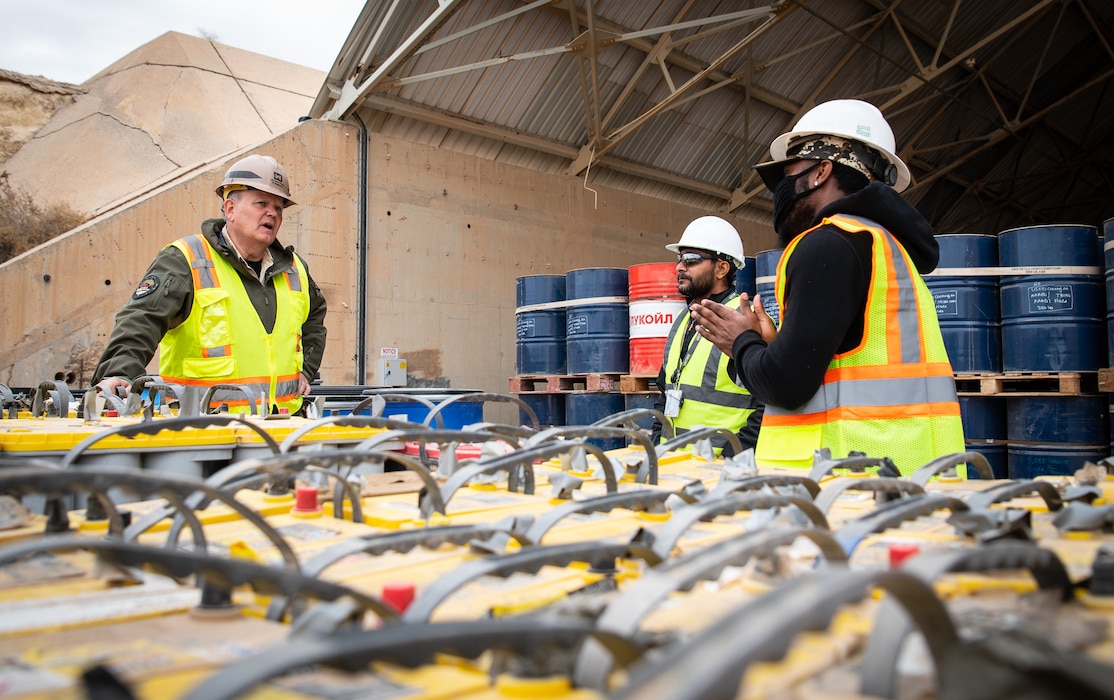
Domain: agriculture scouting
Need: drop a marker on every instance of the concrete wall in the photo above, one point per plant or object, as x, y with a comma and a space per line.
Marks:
450, 233
60, 298
448, 236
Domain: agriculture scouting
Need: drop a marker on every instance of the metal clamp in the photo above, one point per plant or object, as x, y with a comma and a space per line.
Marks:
443, 438
647, 471
948, 463
483, 398
350, 421
892, 626
628, 419
401, 541
167, 424
257, 401
691, 436
59, 395
408, 645
762, 481
823, 464
1000, 493
892, 514
643, 500
772, 622
222, 573
599, 554
522, 459
624, 615
667, 537
889, 486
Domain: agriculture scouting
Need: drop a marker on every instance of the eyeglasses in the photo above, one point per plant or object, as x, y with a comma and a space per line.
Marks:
689, 259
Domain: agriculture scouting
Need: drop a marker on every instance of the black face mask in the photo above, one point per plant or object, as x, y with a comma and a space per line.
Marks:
785, 197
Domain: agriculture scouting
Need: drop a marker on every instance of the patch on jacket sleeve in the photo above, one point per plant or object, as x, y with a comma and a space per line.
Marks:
149, 284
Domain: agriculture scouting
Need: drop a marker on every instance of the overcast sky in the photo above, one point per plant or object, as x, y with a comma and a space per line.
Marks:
72, 40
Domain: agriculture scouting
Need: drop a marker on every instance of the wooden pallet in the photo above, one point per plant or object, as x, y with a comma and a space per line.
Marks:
1106, 379
563, 383
638, 384
1027, 384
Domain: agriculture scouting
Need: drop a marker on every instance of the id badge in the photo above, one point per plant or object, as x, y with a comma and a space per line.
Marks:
672, 403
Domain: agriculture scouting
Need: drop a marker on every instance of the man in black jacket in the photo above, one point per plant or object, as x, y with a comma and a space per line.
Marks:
857, 362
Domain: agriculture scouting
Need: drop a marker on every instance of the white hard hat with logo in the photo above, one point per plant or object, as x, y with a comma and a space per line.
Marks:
256, 172
857, 121
714, 234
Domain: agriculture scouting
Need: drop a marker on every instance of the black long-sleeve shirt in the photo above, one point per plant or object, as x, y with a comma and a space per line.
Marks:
826, 285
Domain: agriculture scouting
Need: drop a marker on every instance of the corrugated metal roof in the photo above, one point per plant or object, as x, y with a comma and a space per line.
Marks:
1000, 107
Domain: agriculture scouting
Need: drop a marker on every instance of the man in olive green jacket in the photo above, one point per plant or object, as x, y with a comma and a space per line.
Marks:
254, 193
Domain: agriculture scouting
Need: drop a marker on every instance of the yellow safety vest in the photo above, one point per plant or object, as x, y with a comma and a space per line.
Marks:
893, 395
710, 397
224, 342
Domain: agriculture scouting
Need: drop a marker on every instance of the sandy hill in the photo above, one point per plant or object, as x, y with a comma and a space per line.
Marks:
173, 103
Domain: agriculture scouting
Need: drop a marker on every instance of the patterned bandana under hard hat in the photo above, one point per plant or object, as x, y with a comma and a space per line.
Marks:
833, 148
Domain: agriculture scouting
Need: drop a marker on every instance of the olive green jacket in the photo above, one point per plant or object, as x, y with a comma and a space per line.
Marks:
164, 298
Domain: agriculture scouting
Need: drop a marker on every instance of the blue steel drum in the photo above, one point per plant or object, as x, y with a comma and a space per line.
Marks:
984, 431
1054, 321
1056, 434
585, 408
540, 334
1031, 461
1108, 257
765, 271
633, 401
967, 304
597, 329
549, 408
997, 456
745, 276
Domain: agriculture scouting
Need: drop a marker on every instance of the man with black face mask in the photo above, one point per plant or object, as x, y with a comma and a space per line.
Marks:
858, 362
699, 384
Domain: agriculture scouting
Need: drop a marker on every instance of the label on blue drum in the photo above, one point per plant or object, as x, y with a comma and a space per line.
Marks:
947, 302
1046, 298
525, 328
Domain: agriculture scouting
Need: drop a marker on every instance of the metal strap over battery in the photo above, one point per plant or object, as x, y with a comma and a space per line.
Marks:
892, 626
624, 615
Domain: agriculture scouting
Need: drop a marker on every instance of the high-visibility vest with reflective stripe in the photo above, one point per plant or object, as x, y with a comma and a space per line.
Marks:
893, 395
710, 397
223, 341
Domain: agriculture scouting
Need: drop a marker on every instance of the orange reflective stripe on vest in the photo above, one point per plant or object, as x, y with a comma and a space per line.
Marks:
893, 395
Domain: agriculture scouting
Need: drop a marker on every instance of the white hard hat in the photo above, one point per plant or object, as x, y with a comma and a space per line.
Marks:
854, 120
714, 234
261, 173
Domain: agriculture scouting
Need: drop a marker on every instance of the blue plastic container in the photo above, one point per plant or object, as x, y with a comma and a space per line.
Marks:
549, 408
455, 416
1055, 321
765, 272
597, 329
997, 455
1056, 434
585, 408
967, 303
1108, 258
540, 334
745, 276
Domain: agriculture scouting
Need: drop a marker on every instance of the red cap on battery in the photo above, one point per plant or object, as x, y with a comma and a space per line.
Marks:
900, 551
399, 595
305, 499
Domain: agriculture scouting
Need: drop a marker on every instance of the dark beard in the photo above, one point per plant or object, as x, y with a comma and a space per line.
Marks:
798, 221
698, 288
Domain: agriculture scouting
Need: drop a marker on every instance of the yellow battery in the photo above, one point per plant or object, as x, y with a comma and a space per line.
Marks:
167, 653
